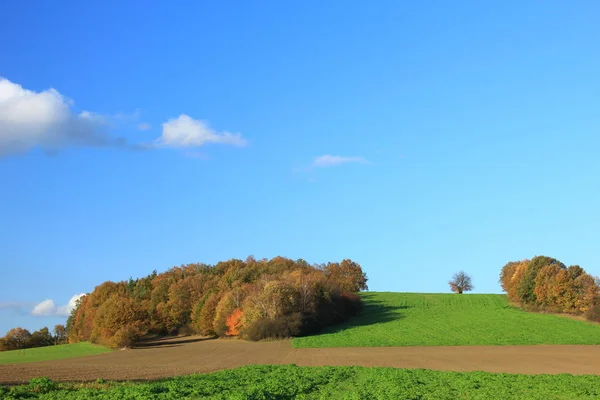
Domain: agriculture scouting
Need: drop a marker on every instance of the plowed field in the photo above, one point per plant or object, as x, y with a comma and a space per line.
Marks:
182, 356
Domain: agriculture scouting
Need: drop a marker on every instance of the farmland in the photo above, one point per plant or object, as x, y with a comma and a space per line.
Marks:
403, 346
51, 353
290, 382
415, 319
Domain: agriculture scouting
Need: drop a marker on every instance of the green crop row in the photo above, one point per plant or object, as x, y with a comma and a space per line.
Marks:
292, 382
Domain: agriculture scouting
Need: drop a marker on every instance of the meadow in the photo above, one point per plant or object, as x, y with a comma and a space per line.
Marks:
51, 353
292, 382
417, 319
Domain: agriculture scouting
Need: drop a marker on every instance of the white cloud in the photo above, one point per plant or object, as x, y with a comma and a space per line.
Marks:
185, 131
144, 126
49, 308
44, 119
47, 120
329, 160
46, 307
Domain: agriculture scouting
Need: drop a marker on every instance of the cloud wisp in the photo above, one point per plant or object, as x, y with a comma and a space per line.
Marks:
17, 307
48, 308
185, 131
328, 160
143, 126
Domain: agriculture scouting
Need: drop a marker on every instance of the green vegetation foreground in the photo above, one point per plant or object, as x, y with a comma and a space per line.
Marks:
415, 319
51, 353
292, 382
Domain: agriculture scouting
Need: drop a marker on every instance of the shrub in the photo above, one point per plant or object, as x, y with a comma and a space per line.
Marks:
42, 385
593, 313
125, 337
185, 330
281, 328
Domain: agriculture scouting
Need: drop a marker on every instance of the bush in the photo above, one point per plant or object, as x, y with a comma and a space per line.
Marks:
125, 337
185, 330
593, 314
284, 327
42, 385
349, 305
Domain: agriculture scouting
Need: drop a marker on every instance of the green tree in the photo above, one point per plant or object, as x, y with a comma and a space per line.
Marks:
41, 338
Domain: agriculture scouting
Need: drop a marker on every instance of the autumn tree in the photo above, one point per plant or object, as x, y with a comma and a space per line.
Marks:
205, 323
17, 338
262, 298
348, 274
120, 315
60, 334
461, 282
526, 288
547, 284
511, 276
233, 322
544, 288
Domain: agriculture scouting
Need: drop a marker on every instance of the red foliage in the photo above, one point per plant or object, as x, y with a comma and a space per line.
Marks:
234, 322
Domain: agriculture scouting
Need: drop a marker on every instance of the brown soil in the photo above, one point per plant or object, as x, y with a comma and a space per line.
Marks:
188, 355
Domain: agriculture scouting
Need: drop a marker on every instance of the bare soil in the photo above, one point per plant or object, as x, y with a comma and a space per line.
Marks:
187, 355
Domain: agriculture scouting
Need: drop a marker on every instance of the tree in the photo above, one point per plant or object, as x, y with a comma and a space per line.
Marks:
17, 338
253, 298
119, 314
41, 338
461, 282
526, 289
348, 274
511, 276
60, 334
205, 323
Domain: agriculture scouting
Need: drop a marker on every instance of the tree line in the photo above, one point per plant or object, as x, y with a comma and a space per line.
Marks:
544, 283
252, 299
19, 338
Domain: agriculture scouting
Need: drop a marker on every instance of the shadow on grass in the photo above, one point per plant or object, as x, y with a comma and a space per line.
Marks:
168, 341
373, 312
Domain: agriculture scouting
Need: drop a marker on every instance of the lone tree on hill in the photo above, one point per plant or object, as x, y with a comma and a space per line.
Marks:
461, 282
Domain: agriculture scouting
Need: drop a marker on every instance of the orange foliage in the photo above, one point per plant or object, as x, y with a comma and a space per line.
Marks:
544, 285
226, 299
555, 287
511, 277
234, 322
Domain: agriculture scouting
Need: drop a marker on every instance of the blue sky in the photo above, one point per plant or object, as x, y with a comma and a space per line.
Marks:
416, 138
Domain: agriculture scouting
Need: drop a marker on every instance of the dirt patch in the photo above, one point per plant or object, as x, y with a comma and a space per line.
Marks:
182, 356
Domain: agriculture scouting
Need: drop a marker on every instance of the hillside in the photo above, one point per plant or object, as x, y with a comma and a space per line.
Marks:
51, 353
416, 319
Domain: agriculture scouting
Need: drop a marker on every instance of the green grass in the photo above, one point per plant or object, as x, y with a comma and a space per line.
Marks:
292, 382
51, 353
414, 319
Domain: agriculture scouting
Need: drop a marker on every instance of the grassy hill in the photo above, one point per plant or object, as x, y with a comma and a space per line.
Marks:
417, 319
51, 353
